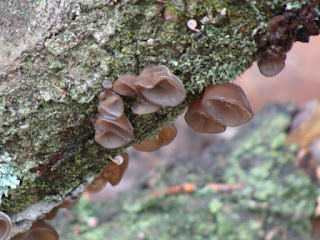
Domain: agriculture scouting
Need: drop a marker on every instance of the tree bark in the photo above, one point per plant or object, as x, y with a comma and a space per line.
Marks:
55, 54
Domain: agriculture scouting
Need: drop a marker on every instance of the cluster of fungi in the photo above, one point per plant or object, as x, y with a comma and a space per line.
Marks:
283, 30
156, 87
219, 106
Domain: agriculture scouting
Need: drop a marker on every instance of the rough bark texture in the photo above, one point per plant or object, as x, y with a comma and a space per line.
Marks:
54, 56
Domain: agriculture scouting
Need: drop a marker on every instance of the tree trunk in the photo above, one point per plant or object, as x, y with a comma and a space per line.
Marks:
54, 56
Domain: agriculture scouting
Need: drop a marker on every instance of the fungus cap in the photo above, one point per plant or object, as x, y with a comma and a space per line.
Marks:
142, 106
114, 172
107, 85
200, 121
149, 145
158, 85
125, 85
97, 184
112, 107
5, 226
271, 67
167, 134
113, 133
40, 230
227, 104
118, 159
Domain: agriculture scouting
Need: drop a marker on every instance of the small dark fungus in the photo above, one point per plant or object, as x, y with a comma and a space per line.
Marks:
270, 67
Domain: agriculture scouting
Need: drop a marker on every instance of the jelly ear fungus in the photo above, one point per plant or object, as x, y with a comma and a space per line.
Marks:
220, 105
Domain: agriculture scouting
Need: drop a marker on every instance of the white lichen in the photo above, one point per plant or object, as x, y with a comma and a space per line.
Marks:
7, 178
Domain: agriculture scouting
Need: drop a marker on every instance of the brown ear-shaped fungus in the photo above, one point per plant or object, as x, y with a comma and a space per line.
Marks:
40, 230
113, 133
149, 145
270, 67
158, 85
227, 104
97, 184
142, 106
112, 107
5, 226
125, 85
167, 134
200, 121
114, 172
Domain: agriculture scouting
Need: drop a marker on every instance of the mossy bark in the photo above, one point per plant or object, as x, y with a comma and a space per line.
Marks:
55, 55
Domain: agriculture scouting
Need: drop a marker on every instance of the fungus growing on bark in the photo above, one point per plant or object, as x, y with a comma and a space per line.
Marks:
97, 184
200, 121
5, 226
165, 136
155, 87
272, 66
113, 172
125, 85
113, 129
149, 145
111, 107
113, 133
227, 104
40, 230
159, 86
142, 106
